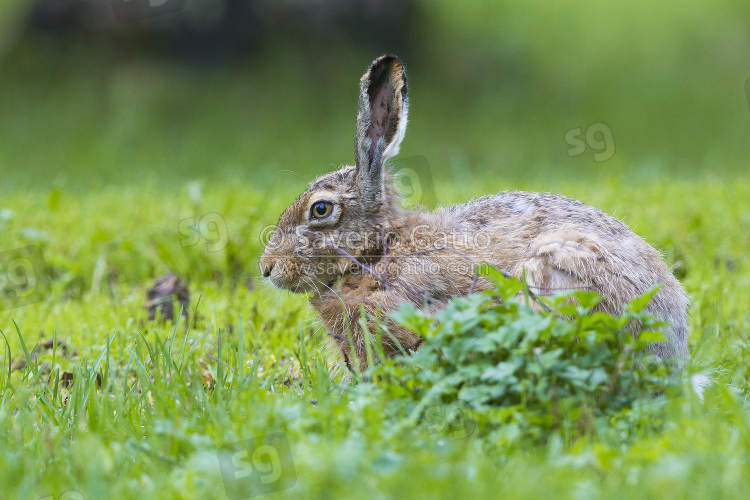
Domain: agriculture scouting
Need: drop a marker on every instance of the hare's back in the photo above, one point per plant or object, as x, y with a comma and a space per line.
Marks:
563, 243
531, 214
519, 223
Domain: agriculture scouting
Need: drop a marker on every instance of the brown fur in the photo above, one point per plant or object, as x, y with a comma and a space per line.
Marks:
372, 253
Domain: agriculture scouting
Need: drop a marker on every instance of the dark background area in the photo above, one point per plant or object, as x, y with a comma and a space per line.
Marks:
98, 92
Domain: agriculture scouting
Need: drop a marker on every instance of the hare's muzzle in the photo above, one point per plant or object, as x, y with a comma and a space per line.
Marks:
266, 266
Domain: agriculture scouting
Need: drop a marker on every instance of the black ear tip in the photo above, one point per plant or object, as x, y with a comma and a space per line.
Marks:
388, 57
385, 65
387, 61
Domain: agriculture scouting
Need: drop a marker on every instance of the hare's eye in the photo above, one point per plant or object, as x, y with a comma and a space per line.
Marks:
321, 209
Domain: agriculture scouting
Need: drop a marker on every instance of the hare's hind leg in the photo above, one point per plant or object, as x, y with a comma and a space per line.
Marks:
569, 260
559, 261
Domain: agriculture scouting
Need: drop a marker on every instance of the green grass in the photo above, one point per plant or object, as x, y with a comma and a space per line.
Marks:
153, 428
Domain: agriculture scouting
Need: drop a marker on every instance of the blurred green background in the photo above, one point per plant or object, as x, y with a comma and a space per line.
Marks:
264, 92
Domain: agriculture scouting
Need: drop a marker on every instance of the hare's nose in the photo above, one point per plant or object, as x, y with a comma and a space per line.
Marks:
266, 267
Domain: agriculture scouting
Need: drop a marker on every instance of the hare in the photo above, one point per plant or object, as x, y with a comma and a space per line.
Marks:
348, 243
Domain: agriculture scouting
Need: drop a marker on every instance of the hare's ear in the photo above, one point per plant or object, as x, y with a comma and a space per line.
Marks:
381, 121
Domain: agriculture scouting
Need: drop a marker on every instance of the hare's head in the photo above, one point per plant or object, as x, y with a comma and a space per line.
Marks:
340, 219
